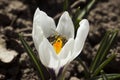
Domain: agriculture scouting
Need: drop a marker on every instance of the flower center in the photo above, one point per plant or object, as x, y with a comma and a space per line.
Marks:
57, 41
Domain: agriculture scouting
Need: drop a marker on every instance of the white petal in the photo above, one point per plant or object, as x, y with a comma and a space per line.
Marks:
47, 55
66, 49
46, 23
37, 35
66, 52
80, 38
65, 26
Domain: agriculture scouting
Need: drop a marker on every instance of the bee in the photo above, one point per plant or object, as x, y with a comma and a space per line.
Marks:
56, 37
58, 41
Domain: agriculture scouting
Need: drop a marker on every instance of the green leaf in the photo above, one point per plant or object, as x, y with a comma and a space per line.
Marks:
104, 75
109, 76
32, 56
86, 9
65, 6
111, 40
99, 52
104, 48
79, 14
101, 66
74, 18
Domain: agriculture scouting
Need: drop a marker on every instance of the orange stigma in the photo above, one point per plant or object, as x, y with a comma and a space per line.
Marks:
58, 45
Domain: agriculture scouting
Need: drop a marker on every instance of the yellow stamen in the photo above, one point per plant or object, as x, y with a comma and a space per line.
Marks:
58, 45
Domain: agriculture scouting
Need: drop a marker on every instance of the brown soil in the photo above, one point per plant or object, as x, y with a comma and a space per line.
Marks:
16, 17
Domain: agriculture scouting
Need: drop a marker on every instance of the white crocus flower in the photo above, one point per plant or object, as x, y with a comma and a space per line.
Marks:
44, 27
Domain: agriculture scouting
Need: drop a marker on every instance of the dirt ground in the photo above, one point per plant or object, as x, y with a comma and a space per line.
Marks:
16, 17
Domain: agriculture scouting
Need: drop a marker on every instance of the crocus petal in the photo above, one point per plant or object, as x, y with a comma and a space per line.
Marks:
65, 26
66, 49
80, 38
37, 35
42, 20
66, 52
47, 55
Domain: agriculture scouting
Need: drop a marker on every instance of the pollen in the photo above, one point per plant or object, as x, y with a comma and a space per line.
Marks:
58, 45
